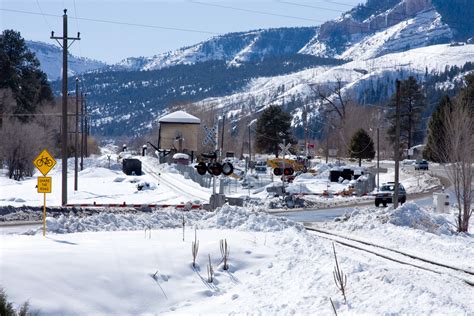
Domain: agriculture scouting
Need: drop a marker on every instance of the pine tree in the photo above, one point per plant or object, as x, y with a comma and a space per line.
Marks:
361, 146
436, 128
272, 127
412, 103
20, 73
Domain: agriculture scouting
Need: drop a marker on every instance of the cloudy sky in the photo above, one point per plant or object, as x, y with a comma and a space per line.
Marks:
113, 30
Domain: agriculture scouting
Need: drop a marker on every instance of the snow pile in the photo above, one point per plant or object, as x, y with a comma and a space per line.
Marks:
413, 216
234, 217
410, 215
227, 217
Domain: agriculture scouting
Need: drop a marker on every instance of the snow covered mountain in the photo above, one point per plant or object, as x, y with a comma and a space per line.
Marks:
382, 27
233, 48
366, 48
50, 57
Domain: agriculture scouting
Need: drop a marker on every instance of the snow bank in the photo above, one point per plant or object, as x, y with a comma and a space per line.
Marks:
409, 215
227, 217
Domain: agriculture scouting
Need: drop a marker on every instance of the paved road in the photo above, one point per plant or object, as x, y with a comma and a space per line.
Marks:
328, 214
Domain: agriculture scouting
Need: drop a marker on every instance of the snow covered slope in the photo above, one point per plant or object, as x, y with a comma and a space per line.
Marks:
50, 57
408, 24
356, 76
233, 47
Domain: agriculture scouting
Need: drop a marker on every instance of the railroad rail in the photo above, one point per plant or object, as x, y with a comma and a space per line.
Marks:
397, 255
149, 171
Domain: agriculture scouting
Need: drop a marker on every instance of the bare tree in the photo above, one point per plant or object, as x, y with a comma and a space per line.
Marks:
20, 145
334, 99
458, 151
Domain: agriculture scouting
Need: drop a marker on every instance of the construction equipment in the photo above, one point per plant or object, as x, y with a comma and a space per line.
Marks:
297, 165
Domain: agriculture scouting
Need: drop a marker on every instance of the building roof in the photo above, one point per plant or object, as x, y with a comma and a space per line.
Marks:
179, 117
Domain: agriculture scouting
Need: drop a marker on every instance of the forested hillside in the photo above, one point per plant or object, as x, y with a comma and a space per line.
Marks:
134, 98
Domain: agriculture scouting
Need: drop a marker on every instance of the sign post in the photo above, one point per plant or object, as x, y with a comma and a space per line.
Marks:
44, 163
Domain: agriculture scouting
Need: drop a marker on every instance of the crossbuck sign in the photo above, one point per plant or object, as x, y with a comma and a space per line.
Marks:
285, 149
210, 135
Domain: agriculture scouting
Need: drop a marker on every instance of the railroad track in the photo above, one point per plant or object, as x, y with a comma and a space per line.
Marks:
397, 256
174, 187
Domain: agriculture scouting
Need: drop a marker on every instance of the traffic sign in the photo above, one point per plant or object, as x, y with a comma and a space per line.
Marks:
210, 135
285, 149
44, 184
44, 162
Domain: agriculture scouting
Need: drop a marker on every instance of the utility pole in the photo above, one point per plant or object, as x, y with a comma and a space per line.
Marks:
86, 126
397, 146
76, 136
82, 131
250, 149
305, 122
222, 135
378, 159
64, 130
327, 140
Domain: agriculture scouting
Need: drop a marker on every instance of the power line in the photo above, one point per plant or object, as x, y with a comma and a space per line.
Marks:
145, 25
116, 22
402, 16
44, 17
180, 29
254, 11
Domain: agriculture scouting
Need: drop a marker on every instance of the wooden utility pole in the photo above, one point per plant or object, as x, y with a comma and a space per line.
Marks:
305, 122
76, 136
86, 126
64, 130
250, 148
378, 158
82, 131
397, 146
222, 136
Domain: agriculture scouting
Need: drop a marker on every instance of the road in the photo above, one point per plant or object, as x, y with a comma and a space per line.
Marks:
328, 214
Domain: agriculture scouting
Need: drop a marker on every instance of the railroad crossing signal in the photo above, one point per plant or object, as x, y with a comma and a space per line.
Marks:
44, 162
285, 149
215, 168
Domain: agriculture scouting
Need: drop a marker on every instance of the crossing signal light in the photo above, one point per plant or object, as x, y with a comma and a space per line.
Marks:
288, 171
201, 168
227, 168
214, 168
277, 171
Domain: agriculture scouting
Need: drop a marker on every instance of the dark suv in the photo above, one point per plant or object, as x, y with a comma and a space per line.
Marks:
385, 195
421, 165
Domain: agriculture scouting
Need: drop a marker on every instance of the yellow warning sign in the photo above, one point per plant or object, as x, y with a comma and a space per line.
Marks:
44, 184
44, 162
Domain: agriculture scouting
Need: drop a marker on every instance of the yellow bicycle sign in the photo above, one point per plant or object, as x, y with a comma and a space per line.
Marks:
44, 162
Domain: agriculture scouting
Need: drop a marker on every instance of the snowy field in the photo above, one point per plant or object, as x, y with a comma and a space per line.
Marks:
102, 184
109, 264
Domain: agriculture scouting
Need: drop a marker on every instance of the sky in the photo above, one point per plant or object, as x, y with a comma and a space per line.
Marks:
150, 27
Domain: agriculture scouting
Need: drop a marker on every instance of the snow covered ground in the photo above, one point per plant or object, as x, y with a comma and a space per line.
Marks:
103, 182
109, 264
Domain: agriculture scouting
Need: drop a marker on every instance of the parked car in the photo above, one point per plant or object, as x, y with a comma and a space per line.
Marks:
421, 165
385, 195
260, 169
